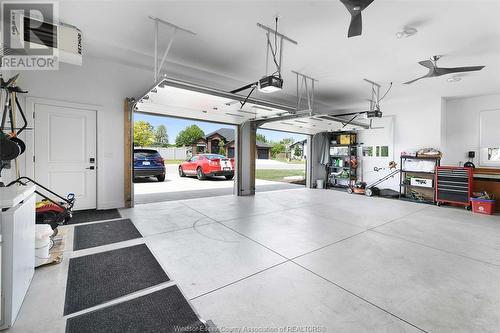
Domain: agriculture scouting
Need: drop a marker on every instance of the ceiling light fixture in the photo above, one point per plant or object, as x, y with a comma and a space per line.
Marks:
407, 32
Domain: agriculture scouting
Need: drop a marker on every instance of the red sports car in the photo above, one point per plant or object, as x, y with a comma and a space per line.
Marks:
207, 165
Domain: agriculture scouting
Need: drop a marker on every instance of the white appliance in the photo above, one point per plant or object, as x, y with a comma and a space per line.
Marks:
422, 182
17, 223
68, 38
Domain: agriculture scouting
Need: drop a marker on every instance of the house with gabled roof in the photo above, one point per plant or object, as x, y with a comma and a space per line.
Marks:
210, 143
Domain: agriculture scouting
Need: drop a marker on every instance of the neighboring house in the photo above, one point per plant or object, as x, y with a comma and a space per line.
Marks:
210, 144
303, 148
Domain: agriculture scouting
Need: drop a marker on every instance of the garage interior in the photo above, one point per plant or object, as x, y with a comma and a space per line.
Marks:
396, 230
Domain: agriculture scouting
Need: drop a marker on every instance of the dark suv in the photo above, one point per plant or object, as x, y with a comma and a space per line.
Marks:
148, 163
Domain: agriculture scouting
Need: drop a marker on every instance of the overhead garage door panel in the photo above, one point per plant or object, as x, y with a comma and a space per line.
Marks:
185, 100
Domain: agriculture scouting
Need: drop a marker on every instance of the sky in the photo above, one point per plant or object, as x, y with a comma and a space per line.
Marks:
175, 125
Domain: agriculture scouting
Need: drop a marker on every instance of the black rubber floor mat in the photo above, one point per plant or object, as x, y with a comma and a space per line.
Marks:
101, 277
165, 310
91, 215
102, 233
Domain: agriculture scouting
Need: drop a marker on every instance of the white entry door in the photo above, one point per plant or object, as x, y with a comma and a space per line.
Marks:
65, 152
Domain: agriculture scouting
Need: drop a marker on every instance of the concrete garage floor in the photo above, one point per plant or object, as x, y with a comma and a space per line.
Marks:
316, 259
147, 190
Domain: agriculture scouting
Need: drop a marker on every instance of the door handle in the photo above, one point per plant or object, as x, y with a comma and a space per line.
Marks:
90, 168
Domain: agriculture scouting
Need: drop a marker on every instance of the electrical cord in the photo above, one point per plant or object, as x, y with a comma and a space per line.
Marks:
389, 89
275, 50
274, 58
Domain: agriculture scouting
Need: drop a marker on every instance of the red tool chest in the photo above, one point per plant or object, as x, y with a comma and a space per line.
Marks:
454, 185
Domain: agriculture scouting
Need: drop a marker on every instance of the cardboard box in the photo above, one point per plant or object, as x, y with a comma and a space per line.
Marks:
347, 139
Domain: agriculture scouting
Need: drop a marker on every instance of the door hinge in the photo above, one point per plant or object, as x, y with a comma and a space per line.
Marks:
33, 158
33, 114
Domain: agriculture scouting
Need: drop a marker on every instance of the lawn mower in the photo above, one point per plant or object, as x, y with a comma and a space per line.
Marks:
49, 211
372, 189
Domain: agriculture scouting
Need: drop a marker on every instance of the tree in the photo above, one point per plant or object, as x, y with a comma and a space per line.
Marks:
261, 137
222, 149
143, 134
188, 136
297, 152
287, 142
277, 148
161, 136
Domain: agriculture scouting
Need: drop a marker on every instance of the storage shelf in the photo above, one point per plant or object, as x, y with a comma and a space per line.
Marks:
341, 176
421, 157
417, 186
418, 201
404, 189
422, 172
339, 186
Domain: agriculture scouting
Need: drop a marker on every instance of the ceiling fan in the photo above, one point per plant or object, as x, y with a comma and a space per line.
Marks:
355, 7
435, 71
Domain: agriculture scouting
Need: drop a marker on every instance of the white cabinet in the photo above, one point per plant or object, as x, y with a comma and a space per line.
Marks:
17, 223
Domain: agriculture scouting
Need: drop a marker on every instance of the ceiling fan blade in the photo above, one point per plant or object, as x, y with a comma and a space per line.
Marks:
444, 70
420, 78
427, 63
356, 26
355, 7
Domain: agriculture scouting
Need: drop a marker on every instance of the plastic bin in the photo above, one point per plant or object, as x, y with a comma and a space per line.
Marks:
42, 243
483, 206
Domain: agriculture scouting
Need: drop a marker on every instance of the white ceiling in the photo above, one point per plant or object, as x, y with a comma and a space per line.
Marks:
229, 49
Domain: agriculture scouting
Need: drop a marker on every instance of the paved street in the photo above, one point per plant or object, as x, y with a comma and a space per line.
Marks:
176, 188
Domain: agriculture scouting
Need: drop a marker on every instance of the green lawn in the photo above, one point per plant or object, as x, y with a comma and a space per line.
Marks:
291, 161
277, 175
173, 161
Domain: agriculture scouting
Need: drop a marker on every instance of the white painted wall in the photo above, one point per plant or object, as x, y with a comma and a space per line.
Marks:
460, 128
97, 82
409, 125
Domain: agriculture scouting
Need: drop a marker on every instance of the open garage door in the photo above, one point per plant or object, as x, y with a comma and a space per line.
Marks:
190, 101
186, 100
263, 153
188, 159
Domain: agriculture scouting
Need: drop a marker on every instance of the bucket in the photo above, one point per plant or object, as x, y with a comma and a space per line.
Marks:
42, 243
483, 206
320, 183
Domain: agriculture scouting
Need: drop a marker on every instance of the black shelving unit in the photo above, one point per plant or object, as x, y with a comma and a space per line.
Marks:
341, 163
410, 192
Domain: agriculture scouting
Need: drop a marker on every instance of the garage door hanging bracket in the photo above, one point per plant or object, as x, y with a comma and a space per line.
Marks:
176, 28
305, 86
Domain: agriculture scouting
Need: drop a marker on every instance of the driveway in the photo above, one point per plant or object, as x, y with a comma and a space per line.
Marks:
277, 165
176, 188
